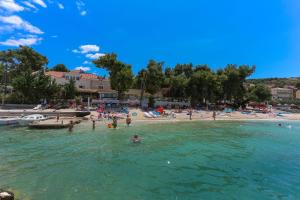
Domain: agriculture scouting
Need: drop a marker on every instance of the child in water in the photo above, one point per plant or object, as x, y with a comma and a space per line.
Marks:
128, 120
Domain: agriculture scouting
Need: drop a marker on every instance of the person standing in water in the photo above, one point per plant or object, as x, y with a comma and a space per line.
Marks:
128, 120
115, 122
94, 124
191, 113
214, 115
71, 125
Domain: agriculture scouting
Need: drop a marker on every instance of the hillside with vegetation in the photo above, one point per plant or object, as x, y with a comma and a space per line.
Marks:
277, 82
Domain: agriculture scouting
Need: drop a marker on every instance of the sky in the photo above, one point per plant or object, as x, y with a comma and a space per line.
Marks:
265, 33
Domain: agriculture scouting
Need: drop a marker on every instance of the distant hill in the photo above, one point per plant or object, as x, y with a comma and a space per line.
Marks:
276, 82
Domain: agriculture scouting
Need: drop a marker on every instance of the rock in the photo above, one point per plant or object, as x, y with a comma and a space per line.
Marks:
6, 195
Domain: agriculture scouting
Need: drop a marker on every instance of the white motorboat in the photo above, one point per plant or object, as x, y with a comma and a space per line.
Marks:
23, 121
8, 121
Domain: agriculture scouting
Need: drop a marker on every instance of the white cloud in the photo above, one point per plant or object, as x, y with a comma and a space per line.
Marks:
17, 22
83, 68
60, 6
89, 48
10, 6
86, 62
27, 3
54, 36
32, 40
75, 51
6, 29
40, 3
95, 56
83, 13
81, 7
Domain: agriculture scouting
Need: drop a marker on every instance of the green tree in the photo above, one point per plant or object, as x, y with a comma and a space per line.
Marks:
60, 68
202, 87
154, 77
28, 59
33, 87
168, 75
151, 102
22, 59
45, 87
183, 69
202, 68
140, 81
70, 90
168, 72
1, 72
260, 93
121, 76
298, 85
24, 86
234, 83
178, 87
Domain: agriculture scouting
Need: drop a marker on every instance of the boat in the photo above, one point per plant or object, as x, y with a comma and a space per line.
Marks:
147, 115
8, 121
24, 121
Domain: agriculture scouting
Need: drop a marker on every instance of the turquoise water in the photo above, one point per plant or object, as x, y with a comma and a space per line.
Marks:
198, 160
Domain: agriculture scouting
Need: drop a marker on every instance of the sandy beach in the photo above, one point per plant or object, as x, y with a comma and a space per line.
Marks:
206, 116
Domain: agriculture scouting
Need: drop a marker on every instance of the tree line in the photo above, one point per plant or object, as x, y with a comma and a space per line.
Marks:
23, 68
197, 83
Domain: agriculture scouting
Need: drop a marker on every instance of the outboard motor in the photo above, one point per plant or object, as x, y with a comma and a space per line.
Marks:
6, 195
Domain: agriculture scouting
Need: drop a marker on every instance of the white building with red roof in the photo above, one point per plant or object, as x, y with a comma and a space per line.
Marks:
88, 85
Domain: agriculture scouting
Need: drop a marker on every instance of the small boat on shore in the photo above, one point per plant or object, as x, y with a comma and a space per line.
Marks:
24, 121
8, 121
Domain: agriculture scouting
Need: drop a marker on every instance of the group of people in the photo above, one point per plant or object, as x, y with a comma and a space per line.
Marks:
190, 113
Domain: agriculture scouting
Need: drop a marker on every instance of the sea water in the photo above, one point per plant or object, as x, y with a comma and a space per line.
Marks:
196, 160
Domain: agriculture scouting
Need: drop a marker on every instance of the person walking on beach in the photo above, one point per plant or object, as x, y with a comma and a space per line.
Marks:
191, 113
57, 117
128, 120
214, 115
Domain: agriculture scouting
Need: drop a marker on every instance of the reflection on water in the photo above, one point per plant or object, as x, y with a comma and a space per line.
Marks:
195, 160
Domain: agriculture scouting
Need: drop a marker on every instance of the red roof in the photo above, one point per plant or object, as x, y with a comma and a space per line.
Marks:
75, 72
88, 76
55, 74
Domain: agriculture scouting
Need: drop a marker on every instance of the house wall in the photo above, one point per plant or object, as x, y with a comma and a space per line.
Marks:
282, 93
298, 94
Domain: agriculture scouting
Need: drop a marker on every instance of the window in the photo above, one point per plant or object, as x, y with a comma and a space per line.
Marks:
100, 87
81, 86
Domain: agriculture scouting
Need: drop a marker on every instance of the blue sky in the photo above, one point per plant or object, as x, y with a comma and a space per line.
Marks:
214, 32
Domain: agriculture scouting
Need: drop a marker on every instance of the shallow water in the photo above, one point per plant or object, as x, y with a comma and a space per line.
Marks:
197, 160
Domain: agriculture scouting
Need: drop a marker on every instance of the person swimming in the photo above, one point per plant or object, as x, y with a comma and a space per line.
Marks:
136, 139
279, 124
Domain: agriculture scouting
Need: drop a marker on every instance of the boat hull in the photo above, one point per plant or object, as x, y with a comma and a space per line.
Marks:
5, 122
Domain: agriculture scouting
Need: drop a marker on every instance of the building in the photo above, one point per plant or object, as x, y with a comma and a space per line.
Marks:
298, 94
88, 85
282, 93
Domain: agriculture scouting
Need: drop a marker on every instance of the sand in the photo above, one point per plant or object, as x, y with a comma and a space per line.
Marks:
207, 115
